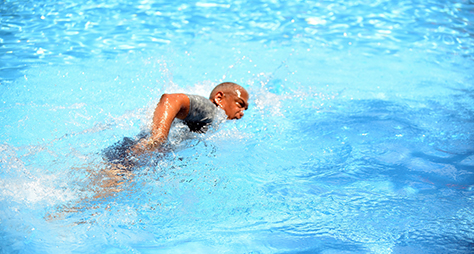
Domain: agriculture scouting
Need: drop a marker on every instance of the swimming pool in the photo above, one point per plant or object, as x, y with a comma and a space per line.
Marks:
358, 139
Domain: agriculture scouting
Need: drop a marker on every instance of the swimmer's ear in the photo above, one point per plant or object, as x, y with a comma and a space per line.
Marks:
218, 98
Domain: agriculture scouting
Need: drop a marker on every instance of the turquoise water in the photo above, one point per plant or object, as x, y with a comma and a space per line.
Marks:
358, 139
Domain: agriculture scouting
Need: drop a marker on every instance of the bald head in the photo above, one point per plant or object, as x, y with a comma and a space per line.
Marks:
226, 87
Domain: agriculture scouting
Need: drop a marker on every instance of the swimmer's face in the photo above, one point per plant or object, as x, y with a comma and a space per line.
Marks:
233, 102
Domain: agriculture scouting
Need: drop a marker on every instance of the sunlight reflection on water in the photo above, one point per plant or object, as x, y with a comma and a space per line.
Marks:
358, 137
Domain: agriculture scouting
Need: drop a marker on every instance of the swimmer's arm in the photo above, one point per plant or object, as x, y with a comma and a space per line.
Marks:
171, 106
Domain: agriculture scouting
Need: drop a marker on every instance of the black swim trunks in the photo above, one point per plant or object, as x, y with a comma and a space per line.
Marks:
119, 153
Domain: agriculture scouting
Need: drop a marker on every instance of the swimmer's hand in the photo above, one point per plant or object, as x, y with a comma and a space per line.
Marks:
147, 145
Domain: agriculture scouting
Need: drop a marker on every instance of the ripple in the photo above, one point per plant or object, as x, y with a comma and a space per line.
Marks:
358, 139
407, 24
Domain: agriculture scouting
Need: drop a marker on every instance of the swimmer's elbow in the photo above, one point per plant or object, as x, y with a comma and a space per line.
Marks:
166, 97
176, 104
167, 101
172, 98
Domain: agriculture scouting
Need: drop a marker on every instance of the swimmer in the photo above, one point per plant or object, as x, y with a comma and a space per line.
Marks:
195, 111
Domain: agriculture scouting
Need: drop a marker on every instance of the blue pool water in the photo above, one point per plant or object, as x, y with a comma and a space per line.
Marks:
359, 136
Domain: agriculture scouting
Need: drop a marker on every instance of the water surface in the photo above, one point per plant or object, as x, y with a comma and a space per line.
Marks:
358, 138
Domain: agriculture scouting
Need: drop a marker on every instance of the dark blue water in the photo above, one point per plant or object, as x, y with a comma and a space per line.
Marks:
358, 139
